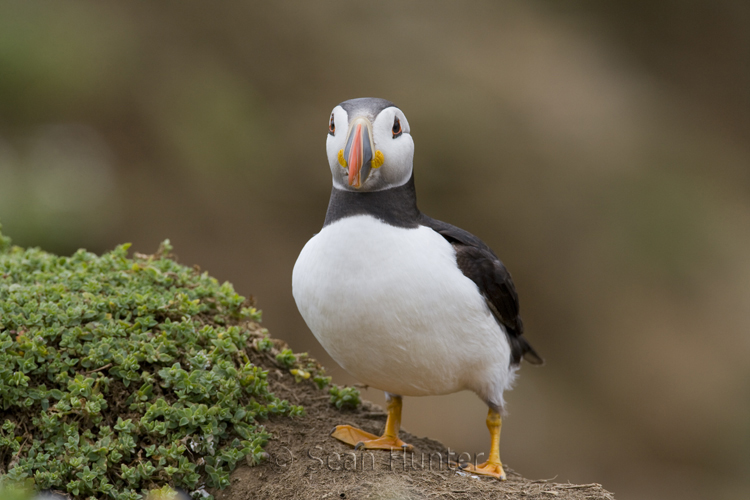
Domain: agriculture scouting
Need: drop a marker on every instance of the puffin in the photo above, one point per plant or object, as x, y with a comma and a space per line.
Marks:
405, 303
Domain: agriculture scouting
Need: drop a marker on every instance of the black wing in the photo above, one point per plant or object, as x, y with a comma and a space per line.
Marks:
480, 264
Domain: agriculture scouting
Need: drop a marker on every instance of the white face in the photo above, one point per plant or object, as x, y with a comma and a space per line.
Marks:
390, 142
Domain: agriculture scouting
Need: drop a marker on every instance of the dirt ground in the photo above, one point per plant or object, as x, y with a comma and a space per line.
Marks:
305, 462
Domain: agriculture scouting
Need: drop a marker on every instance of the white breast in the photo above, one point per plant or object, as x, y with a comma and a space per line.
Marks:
391, 306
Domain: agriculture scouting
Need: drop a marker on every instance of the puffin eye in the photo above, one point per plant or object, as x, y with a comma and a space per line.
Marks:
332, 126
396, 127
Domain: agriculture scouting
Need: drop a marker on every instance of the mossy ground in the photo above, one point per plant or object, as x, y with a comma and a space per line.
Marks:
120, 375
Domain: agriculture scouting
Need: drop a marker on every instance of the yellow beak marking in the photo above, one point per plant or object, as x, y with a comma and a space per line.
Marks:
342, 161
378, 160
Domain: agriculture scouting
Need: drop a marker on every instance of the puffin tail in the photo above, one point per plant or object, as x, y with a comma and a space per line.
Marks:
529, 354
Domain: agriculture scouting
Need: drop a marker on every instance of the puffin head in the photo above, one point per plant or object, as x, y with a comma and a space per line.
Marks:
369, 145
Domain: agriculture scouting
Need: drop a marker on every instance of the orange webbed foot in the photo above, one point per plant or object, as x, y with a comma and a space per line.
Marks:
494, 469
361, 439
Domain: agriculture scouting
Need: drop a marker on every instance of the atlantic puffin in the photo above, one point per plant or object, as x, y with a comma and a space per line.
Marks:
405, 303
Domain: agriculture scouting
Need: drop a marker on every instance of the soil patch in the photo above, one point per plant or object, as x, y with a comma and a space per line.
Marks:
305, 462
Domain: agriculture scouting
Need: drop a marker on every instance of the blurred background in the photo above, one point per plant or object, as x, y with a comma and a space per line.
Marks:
601, 148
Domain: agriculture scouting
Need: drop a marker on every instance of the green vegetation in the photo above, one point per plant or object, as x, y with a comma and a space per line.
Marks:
16, 491
344, 397
286, 358
121, 375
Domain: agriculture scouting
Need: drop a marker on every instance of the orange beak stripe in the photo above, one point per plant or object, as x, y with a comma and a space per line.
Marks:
356, 157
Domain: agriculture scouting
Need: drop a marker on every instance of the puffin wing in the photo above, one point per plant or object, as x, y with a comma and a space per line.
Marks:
480, 264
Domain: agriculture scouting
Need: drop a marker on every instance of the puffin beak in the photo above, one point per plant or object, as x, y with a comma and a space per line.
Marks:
359, 151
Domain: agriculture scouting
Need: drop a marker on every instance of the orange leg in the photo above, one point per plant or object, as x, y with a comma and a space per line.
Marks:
492, 467
388, 441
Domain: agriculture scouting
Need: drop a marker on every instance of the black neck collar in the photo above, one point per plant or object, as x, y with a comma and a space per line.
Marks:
396, 206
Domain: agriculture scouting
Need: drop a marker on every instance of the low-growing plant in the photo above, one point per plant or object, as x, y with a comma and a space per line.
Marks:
264, 344
322, 381
286, 358
344, 397
121, 375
